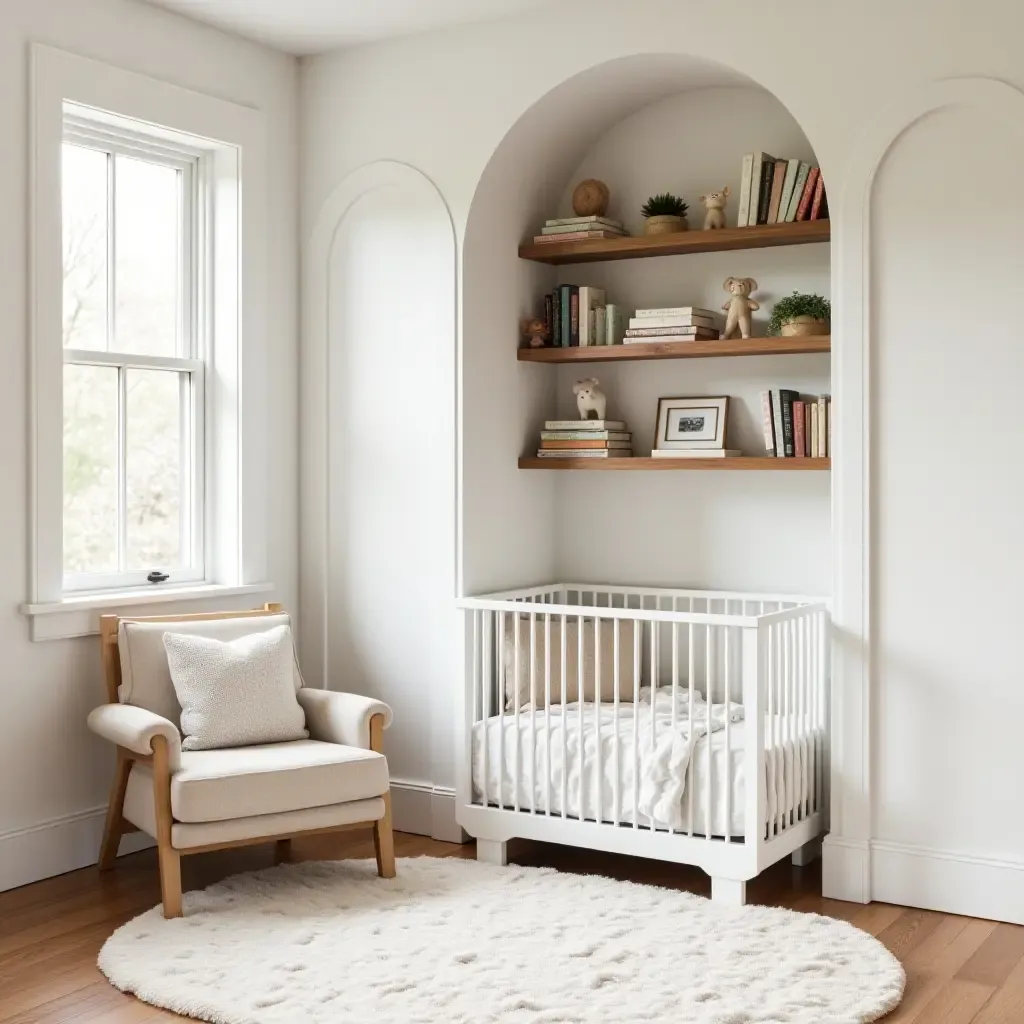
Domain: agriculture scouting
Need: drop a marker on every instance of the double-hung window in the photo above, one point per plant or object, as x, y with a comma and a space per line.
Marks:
134, 346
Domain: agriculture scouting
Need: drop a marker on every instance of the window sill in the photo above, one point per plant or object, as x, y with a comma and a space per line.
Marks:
79, 614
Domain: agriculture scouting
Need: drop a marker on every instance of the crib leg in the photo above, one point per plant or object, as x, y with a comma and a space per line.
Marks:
807, 854
728, 891
490, 852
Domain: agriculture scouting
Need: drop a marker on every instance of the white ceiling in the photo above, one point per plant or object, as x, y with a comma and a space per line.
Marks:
313, 26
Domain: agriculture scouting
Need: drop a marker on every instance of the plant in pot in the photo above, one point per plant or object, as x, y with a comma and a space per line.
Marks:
665, 214
799, 314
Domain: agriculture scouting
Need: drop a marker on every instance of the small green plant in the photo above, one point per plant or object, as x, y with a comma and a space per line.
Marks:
664, 205
795, 305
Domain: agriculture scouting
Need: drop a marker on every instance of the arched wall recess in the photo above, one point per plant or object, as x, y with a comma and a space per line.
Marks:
380, 309
850, 849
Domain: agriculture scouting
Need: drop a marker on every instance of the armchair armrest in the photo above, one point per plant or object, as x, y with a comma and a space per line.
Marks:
341, 717
134, 729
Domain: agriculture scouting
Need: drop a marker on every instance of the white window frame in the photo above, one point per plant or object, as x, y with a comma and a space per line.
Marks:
230, 141
193, 343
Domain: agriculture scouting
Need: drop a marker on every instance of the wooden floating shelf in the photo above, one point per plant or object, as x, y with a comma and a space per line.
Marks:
739, 462
595, 250
678, 350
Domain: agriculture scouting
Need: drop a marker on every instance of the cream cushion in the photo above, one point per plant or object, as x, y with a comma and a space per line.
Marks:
244, 782
532, 685
235, 693
145, 675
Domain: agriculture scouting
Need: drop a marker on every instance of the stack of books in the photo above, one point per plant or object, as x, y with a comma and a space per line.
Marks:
795, 425
780, 191
581, 315
574, 229
672, 323
585, 439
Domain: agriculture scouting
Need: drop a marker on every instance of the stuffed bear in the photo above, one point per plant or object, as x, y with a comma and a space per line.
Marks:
535, 332
590, 398
714, 203
739, 306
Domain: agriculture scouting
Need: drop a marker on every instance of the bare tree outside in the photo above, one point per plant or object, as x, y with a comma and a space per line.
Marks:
122, 297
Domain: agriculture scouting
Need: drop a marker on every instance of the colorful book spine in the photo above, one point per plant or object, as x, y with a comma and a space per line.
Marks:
768, 422
595, 219
824, 424
644, 314
799, 435
780, 448
574, 317
644, 323
814, 430
583, 444
573, 236
657, 332
764, 197
756, 169
744, 207
804, 209
556, 318
788, 430
548, 320
564, 229
819, 194
614, 324
585, 435
777, 179
792, 169
565, 291
798, 191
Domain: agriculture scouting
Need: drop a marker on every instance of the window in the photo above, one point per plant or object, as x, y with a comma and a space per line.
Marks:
134, 371
149, 354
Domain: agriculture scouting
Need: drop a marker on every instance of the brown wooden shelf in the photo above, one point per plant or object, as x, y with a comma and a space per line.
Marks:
740, 462
596, 250
678, 350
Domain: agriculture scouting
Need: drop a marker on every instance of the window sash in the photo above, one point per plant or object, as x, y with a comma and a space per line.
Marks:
191, 346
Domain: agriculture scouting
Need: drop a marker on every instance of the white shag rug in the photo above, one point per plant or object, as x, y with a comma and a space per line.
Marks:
452, 941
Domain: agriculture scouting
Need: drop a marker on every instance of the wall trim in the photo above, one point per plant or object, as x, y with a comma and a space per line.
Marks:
426, 810
58, 845
851, 782
948, 881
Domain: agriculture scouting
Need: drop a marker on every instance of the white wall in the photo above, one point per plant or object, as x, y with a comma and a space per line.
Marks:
444, 102
768, 532
53, 775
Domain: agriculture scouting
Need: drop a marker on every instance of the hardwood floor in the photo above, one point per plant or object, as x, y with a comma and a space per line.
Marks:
959, 970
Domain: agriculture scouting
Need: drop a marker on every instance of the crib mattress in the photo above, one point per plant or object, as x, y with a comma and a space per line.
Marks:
706, 808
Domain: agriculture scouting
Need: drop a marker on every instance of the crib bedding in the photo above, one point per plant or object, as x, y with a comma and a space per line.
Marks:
654, 783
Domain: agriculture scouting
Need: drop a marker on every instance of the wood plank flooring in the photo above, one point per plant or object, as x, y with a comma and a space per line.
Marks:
959, 970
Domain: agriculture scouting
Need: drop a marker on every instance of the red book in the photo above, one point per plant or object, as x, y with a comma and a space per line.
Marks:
799, 434
819, 195
804, 209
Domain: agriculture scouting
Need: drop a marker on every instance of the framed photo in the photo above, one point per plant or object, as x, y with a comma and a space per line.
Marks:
687, 424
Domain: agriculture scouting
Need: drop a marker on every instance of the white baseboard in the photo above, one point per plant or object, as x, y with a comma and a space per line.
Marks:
425, 810
846, 869
950, 882
54, 847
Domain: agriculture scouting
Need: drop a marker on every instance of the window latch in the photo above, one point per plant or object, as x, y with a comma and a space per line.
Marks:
157, 577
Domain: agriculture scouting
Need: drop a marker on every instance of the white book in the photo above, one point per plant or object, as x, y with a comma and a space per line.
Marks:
584, 453
584, 425
639, 323
578, 221
745, 172
614, 324
600, 326
798, 191
792, 167
562, 229
590, 299
824, 427
813, 408
696, 453
643, 314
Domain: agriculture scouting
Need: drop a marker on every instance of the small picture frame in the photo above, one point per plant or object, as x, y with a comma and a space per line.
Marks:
691, 424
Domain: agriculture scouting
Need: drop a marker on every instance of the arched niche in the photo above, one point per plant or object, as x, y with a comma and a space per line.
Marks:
522, 527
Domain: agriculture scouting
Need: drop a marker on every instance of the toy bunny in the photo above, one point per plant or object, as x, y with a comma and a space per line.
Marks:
739, 306
590, 398
714, 203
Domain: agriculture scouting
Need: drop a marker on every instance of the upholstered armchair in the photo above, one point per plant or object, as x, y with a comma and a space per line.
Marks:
200, 800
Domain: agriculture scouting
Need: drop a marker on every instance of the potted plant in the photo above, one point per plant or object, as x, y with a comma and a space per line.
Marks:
665, 214
798, 314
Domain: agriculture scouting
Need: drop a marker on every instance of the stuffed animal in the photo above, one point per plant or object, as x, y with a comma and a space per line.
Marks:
714, 203
536, 332
590, 398
739, 306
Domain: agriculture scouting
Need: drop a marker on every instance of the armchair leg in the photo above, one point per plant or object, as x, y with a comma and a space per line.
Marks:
384, 842
282, 851
170, 881
115, 823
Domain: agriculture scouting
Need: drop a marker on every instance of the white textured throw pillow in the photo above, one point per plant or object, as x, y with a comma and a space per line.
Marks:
235, 693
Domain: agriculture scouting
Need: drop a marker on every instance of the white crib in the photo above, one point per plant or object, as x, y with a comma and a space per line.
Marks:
740, 693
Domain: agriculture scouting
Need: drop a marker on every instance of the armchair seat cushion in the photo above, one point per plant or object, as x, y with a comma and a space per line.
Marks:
243, 782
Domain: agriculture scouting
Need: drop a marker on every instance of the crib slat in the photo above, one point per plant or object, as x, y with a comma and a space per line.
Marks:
517, 750
484, 718
654, 687
597, 765
564, 716
502, 699
727, 700
675, 670
546, 761
691, 666
616, 766
709, 695
635, 751
580, 794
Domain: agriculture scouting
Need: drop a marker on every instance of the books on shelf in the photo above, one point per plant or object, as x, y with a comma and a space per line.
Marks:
779, 191
670, 334
573, 229
646, 314
795, 425
581, 315
585, 439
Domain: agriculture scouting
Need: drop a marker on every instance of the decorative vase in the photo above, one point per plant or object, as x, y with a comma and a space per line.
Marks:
666, 224
804, 325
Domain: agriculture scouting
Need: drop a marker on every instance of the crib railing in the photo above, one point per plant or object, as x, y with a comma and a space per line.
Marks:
604, 704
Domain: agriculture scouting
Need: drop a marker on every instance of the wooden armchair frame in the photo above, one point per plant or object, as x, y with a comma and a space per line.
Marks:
169, 857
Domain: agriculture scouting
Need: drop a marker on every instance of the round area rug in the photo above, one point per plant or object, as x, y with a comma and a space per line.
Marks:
456, 942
